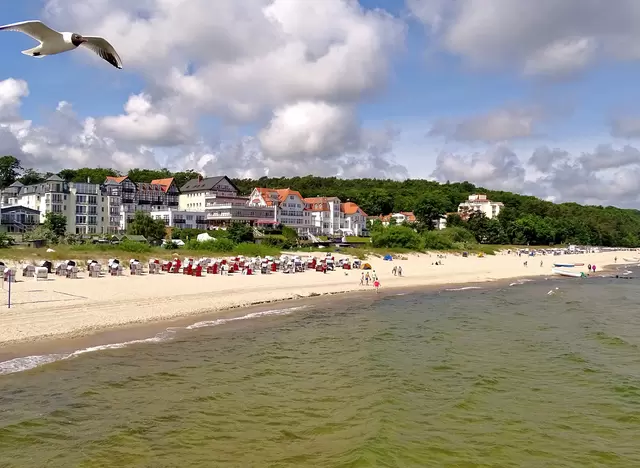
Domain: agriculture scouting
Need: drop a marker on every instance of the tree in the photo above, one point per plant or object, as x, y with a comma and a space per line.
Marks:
240, 232
154, 230
31, 177
454, 219
9, 170
147, 175
429, 208
56, 223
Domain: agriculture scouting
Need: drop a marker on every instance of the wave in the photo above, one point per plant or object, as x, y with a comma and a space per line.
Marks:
25, 363
521, 281
464, 289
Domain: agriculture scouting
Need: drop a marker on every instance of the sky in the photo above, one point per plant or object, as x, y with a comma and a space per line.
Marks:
534, 97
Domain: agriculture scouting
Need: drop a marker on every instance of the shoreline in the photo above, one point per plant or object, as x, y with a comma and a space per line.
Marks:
33, 327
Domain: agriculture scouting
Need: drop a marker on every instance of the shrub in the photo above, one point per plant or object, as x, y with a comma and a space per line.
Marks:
402, 237
436, 240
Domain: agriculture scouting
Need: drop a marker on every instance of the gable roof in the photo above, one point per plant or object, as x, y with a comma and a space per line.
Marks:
164, 183
54, 178
208, 183
284, 193
116, 179
350, 208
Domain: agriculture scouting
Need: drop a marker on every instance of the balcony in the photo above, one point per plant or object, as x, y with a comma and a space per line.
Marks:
172, 204
127, 201
179, 221
144, 202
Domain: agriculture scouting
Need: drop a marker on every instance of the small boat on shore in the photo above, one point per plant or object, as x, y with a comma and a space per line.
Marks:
573, 274
565, 265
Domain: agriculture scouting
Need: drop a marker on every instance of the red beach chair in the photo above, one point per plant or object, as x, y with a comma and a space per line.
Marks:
188, 270
197, 271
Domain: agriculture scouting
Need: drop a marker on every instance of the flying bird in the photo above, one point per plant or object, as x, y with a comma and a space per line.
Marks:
53, 42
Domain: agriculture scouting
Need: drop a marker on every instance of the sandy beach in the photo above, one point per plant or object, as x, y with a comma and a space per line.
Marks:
62, 307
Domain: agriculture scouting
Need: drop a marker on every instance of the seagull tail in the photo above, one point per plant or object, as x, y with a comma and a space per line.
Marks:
33, 52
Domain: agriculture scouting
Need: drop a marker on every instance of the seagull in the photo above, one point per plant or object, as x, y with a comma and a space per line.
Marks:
53, 42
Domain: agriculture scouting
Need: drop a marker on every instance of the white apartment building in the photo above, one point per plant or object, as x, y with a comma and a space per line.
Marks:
200, 193
325, 214
81, 203
354, 219
182, 219
289, 208
480, 203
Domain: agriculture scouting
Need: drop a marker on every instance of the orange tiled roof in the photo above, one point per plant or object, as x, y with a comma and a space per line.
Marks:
284, 193
350, 208
165, 183
116, 179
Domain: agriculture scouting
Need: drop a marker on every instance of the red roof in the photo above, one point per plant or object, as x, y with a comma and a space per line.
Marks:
164, 183
116, 179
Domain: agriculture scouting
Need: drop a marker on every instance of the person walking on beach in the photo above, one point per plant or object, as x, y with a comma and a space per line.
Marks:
399, 271
376, 284
394, 271
589, 267
362, 279
593, 267
541, 263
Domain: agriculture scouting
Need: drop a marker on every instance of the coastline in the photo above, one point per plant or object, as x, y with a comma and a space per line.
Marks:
148, 301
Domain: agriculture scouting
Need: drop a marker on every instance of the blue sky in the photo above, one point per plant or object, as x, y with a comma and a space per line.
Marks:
433, 79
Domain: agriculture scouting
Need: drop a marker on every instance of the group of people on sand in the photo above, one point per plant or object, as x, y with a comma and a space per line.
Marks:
372, 277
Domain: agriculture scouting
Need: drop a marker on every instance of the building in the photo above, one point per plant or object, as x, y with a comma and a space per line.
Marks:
354, 219
81, 203
18, 218
223, 215
326, 216
182, 219
124, 198
403, 217
289, 208
479, 203
200, 193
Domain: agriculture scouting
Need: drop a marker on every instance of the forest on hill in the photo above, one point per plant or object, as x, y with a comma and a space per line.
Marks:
524, 219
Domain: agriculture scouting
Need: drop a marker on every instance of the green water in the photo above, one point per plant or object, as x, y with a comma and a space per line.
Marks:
480, 378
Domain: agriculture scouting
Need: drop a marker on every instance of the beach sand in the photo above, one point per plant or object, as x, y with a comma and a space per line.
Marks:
61, 307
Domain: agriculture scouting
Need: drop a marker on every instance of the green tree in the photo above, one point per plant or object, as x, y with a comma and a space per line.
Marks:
9, 170
454, 220
154, 230
147, 175
56, 223
429, 208
30, 177
240, 232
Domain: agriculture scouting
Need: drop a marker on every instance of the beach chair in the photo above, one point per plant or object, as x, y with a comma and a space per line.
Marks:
41, 273
188, 270
197, 271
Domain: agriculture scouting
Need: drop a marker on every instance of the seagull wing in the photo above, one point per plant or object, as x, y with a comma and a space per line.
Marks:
105, 50
36, 29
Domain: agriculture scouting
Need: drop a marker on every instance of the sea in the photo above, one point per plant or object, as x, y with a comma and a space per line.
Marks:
527, 373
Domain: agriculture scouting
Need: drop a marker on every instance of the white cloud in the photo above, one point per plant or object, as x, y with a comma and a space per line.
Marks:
260, 62
548, 37
11, 93
498, 125
606, 175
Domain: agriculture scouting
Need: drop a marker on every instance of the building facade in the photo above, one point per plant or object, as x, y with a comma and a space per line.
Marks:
201, 193
182, 219
355, 220
479, 203
289, 208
